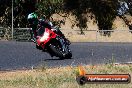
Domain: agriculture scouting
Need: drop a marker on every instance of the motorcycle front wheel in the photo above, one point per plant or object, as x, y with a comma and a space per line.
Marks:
55, 51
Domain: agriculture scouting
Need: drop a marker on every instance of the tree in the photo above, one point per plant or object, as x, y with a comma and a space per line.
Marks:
21, 10
104, 11
5, 13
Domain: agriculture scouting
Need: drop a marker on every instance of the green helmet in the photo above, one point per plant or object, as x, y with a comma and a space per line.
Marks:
32, 18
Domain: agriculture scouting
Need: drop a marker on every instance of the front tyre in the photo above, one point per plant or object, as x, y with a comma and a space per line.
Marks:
69, 55
55, 51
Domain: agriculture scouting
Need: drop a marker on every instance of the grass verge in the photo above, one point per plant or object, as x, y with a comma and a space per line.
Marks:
61, 77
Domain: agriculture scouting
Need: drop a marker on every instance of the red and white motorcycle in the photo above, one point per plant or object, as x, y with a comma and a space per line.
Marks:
53, 43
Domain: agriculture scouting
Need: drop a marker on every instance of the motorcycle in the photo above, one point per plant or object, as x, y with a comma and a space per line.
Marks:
53, 44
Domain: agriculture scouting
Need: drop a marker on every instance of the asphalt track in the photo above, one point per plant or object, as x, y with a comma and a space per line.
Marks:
18, 55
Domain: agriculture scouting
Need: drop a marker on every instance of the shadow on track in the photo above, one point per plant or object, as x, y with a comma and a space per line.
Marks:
54, 59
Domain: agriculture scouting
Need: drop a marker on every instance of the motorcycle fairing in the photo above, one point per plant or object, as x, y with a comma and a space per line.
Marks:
45, 38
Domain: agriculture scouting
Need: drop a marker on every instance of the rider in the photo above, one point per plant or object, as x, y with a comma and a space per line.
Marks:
36, 23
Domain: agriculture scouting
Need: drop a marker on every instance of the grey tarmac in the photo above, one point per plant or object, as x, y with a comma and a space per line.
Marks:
24, 55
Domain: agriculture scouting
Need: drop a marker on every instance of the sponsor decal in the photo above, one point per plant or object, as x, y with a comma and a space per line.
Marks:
83, 78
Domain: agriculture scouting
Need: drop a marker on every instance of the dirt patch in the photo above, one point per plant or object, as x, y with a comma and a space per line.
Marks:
121, 31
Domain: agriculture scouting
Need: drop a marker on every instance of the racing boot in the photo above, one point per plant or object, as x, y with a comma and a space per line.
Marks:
38, 47
66, 40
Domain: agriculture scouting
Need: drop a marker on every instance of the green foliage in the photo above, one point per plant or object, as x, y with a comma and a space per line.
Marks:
48, 7
21, 10
5, 13
104, 11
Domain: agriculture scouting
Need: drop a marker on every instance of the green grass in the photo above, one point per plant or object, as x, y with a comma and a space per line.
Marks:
63, 77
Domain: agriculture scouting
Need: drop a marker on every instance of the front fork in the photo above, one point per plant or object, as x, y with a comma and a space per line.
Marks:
63, 44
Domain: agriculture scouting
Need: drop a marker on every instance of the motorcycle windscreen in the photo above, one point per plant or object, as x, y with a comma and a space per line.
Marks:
41, 31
